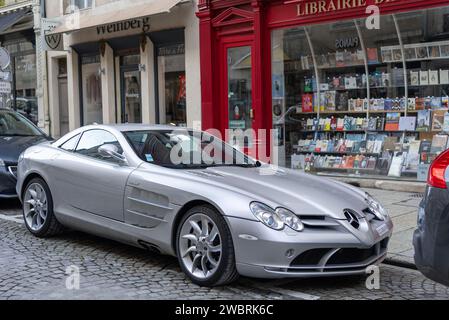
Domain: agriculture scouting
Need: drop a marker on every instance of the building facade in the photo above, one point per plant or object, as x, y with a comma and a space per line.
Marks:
349, 88
19, 77
122, 61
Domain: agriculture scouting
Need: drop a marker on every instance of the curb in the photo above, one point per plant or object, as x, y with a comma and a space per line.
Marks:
390, 185
400, 263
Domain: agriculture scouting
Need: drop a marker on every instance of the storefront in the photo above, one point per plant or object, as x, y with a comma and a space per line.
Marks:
342, 96
18, 38
128, 62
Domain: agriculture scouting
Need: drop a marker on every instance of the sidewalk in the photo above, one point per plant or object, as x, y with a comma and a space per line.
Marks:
403, 209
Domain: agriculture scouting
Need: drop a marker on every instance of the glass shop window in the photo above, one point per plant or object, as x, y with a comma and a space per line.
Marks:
91, 88
348, 100
172, 85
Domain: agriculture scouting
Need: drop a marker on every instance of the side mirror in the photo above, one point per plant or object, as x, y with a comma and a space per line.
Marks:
109, 151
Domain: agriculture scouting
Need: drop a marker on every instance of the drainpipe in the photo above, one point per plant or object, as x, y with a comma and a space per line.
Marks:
41, 61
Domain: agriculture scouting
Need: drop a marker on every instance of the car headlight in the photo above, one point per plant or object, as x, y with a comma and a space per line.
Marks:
2, 163
276, 219
267, 216
376, 206
290, 219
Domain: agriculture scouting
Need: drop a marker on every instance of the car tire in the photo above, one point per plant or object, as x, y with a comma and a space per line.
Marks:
43, 224
225, 271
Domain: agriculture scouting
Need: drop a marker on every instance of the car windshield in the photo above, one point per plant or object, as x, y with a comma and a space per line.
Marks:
13, 124
185, 149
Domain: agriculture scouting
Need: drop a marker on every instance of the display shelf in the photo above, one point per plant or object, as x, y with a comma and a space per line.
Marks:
359, 112
349, 153
347, 169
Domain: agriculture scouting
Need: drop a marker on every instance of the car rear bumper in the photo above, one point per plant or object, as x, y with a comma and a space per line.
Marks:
431, 239
265, 253
7, 183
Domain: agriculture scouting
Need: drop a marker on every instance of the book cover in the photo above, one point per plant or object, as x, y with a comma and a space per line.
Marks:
423, 121
413, 157
419, 105
445, 102
439, 143
340, 124
428, 103
398, 77
407, 123
411, 104
396, 164
373, 56
392, 122
424, 78
307, 103
435, 103
438, 120
388, 105
433, 77
444, 76
446, 122
414, 78
424, 151
342, 104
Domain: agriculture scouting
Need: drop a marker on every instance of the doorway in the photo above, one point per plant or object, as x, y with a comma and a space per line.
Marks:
237, 92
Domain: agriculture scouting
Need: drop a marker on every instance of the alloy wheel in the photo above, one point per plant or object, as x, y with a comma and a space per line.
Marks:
200, 246
35, 206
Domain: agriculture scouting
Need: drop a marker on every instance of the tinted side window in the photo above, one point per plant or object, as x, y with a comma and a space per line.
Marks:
70, 144
92, 140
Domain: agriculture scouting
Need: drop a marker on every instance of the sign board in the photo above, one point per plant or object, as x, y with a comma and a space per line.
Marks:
5, 87
5, 58
51, 42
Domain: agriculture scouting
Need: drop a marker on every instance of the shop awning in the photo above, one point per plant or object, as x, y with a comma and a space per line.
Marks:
9, 19
113, 13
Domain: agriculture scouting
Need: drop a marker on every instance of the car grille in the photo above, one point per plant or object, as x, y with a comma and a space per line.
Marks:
13, 171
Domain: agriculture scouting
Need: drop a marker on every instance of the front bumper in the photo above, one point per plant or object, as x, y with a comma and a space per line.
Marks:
332, 251
8, 182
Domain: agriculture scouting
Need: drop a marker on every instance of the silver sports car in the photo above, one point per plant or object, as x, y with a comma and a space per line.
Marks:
188, 194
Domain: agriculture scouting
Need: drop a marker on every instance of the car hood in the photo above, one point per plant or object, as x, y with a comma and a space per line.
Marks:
12, 147
302, 193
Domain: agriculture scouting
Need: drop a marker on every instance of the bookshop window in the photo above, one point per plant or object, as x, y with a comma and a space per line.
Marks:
348, 100
426, 50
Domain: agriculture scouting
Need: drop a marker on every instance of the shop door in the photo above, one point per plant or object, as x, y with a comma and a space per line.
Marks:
131, 95
238, 96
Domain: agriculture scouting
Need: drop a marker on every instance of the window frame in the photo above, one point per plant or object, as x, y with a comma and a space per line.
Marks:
92, 158
72, 4
77, 137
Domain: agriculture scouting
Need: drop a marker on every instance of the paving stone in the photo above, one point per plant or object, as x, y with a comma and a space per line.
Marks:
35, 269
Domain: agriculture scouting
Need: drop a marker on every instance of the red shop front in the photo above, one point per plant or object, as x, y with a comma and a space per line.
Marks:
259, 67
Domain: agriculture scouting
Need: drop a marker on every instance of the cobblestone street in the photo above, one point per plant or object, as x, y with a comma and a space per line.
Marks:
35, 269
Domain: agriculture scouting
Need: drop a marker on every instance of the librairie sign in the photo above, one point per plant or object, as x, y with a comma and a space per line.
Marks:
307, 8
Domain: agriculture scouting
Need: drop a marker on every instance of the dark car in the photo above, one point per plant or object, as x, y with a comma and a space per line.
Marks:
431, 239
17, 133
